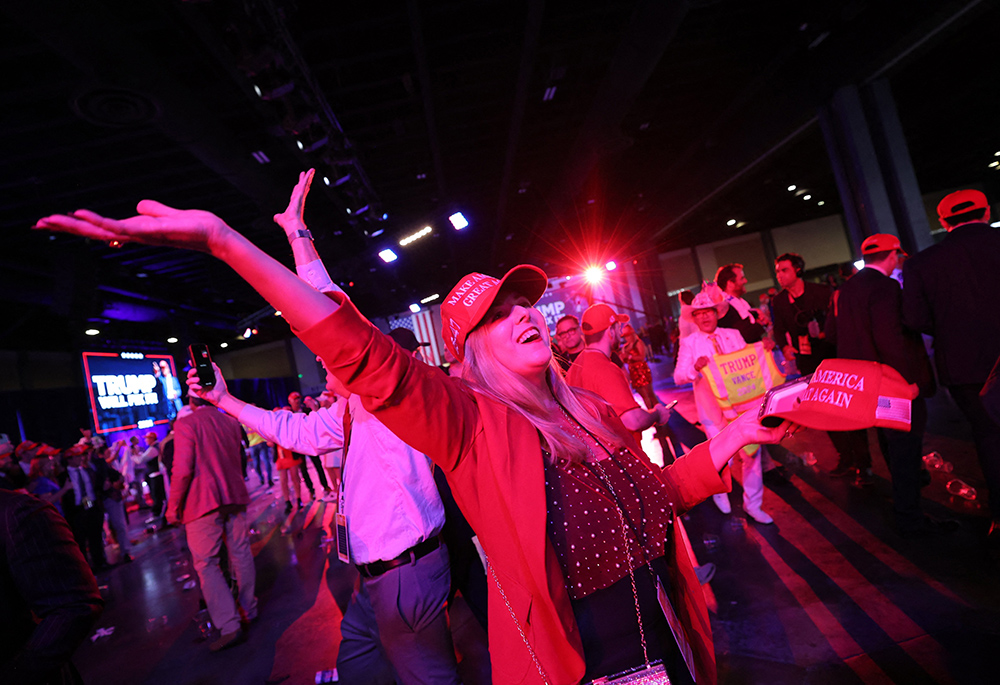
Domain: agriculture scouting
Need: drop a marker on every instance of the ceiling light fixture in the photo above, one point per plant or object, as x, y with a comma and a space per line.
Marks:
223, 345
260, 157
429, 298
426, 230
611, 266
807, 197
792, 187
550, 93
171, 340
994, 164
731, 222
820, 203
388, 255
458, 220
415, 308
91, 331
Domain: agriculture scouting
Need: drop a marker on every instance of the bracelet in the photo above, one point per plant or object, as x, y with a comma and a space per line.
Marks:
300, 233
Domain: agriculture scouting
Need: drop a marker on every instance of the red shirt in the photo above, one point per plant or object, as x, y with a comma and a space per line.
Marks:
594, 372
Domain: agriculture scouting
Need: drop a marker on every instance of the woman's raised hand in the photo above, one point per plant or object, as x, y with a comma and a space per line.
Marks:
292, 218
155, 224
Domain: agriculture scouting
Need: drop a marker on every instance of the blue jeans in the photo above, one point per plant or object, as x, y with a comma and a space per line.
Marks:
261, 453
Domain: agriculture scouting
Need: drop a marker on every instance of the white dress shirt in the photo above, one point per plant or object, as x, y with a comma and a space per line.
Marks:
390, 498
83, 483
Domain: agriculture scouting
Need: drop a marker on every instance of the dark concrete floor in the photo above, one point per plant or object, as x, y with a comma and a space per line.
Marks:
829, 593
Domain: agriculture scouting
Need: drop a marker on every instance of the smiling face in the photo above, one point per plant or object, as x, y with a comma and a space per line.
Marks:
706, 319
517, 335
738, 286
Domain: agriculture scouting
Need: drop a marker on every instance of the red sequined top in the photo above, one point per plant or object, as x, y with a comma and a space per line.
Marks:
584, 525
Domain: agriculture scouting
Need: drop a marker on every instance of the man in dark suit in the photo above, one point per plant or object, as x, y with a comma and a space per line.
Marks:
866, 323
208, 495
83, 505
949, 292
48, 597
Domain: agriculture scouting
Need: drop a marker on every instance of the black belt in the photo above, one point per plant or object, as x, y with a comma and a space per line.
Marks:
421, 549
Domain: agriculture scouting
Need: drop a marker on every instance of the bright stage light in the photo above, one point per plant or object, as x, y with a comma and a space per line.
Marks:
458, 221
171, 340
92, 331
611, 266
387, 255
594, 275
415, 308
429, 298
859, 265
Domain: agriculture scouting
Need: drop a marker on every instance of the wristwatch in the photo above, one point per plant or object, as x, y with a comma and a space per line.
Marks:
300, 233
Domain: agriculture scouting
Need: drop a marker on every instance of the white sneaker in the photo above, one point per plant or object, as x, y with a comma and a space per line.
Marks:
722, 502
759, 515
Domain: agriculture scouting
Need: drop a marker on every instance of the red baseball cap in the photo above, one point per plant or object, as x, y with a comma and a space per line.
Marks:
881, 242
469, 300
844, 395
960, 202
24, 446
600, 317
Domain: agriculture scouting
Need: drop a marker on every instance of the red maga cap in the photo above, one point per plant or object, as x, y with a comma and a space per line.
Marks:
469, 300
960, 202
844, 395
600, 317
881, 242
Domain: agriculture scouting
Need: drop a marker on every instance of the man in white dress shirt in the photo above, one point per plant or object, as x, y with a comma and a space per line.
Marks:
696, 352
395, 628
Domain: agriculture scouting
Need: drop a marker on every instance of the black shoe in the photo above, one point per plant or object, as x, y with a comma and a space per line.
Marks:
931, 527
288, 507
864, 478
843, 470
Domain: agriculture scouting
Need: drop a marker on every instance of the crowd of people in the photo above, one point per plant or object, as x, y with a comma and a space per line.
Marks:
516, 478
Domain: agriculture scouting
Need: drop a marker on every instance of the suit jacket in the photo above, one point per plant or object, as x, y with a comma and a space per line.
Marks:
867, 323
492, 458
950, 291
207, 471
42, 571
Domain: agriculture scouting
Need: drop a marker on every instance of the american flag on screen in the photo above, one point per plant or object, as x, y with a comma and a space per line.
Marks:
427, 327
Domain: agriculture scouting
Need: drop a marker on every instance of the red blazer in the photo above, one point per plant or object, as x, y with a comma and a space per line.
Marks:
207, 472
493, 460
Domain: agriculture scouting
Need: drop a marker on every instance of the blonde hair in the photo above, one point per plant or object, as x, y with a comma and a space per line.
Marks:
485, 375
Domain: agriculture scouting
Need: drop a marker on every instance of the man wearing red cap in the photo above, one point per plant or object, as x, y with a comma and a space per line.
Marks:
593, 369
949, 292
866, 323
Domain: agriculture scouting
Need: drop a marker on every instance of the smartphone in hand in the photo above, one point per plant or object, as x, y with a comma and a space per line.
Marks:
202, 361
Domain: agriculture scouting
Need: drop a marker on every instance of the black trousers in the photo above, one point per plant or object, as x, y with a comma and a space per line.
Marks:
903, 452
88, 531
986, 435
321, 474
852, 446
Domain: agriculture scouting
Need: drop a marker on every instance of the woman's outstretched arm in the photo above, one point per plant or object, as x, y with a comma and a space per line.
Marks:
191, 229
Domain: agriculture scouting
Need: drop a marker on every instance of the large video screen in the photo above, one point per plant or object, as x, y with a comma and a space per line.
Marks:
130, 390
